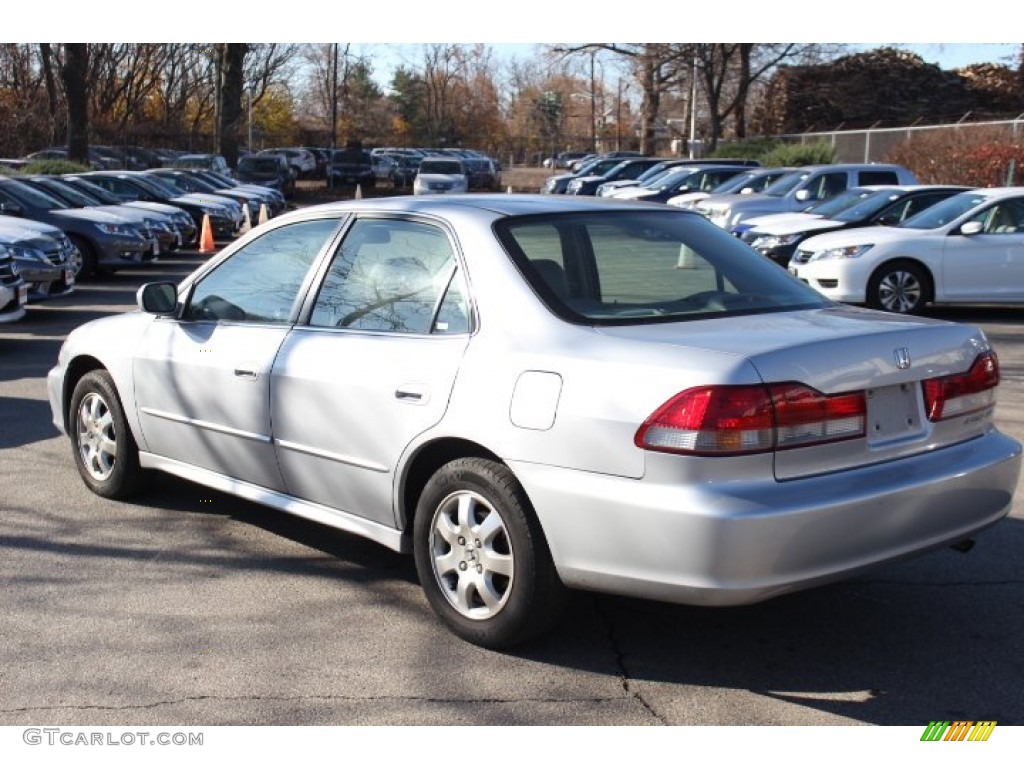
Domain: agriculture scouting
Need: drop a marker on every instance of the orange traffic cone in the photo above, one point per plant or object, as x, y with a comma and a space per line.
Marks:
359, 192
246, 220
206, 244
264, 214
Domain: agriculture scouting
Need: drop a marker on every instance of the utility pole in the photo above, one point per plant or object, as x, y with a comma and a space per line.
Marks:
593, 106
334, 111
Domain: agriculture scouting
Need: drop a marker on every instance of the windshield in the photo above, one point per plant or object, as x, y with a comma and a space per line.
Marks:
672, 178
632, 267
452, 167
259, 164
869, 206
35, 198
192, 161
65, 192
942, 213
101, 195
735, 184
598, 167
833, 205
155, 186
786, 184
653, 172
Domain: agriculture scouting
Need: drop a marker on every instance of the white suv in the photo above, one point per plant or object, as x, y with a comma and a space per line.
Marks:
799, 189
967, 249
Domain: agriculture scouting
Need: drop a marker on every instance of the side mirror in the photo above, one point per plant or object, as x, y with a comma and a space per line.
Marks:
158, 298
803, 195
971, 228
747, 191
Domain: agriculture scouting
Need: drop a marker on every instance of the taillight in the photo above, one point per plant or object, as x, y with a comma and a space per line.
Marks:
731, 420
946, 397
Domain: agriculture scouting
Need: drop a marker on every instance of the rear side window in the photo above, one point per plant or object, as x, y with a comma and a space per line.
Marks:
631, 267
867, 178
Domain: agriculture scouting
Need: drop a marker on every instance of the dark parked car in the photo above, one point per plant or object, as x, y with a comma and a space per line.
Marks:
183, 222
156, 227
557, 185
351, 166
270, 171
625, 169
136, 186
44, 255
482, 173
678, 181
106, 241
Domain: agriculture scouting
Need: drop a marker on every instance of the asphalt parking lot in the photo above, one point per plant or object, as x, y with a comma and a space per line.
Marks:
194, 608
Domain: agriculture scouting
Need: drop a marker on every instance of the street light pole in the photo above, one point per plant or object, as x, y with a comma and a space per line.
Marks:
693, 107
593, 107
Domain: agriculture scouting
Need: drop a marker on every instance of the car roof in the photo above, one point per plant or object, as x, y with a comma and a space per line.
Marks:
497, 203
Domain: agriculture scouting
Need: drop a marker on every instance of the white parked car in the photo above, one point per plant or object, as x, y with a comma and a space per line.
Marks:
968, 249
530, 393
440, 176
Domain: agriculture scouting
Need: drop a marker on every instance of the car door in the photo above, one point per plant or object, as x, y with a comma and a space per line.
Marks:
988, 265
202, 378
372, 368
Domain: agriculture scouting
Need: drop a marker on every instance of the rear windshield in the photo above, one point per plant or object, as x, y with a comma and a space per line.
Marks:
630, 267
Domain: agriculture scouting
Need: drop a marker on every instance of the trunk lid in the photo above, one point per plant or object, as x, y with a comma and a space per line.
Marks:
846, 349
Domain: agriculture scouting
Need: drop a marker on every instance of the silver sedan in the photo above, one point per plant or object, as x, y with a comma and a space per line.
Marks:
532, 394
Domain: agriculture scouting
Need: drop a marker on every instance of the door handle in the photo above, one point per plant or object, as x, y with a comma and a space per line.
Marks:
247, 371
412, 393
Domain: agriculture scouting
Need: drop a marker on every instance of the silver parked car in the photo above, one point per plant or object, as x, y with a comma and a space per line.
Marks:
534, 393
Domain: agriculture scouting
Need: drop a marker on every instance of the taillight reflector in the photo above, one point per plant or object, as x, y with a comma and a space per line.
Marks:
946, 397
731, 420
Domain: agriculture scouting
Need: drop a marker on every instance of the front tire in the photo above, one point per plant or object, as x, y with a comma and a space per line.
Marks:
89, 265
481, 556
106, 454
901, 287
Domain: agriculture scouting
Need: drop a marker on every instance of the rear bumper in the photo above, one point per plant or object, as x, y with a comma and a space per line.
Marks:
732, 543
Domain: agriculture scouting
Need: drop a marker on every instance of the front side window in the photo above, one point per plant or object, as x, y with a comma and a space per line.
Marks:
1004, 218
260, 282
396, 276
626, 267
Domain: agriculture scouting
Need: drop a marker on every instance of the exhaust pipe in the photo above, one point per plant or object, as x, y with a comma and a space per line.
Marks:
963, 546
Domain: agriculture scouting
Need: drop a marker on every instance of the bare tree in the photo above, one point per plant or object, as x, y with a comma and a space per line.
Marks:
658, 68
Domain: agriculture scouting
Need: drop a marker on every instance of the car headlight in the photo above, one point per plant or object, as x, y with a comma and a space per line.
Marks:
768, 242
117, 229
843, 252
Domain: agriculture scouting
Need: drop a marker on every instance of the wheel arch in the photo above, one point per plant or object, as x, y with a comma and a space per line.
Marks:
76, 369
912, 261
422, 465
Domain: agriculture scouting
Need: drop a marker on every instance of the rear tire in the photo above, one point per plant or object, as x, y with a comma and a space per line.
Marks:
481, 555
